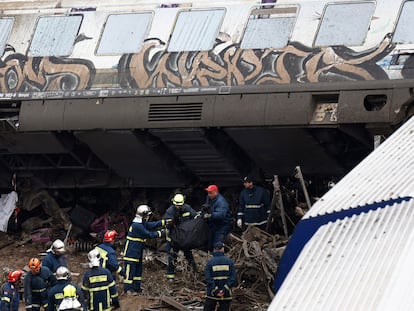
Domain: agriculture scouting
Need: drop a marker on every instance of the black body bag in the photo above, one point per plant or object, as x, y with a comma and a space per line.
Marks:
191, 234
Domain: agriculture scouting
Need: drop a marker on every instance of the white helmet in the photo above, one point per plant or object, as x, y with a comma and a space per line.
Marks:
58, 246
62, 273
143, 211
94, 257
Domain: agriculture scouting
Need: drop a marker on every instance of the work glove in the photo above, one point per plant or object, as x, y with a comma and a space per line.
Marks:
239, 223
215, 291
207, 216
161, 233
169, 223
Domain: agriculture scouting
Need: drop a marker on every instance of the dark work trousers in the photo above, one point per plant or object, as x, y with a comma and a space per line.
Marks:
210, 304
172, 259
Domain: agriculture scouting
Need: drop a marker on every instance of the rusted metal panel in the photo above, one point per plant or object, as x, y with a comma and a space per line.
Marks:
41, 115
364, 106
288, 108
108, 113
250, 109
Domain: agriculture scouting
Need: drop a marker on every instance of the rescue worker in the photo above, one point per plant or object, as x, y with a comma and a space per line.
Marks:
10, 296
220, 278
138, 233
177, 213
254, 205
98, 286
55, 256
70, 300
55, 295
36, 285
218, 217
108, 254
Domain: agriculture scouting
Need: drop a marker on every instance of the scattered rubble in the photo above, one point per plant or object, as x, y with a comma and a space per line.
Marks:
255, 253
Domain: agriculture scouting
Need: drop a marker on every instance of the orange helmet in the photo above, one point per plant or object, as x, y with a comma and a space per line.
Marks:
14, 276
110, 235
34, 265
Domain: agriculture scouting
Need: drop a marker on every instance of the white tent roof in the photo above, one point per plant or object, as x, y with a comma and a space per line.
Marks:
354, 249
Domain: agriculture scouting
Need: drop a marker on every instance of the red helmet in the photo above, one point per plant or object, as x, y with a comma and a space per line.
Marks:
34, 265
14, 276
110, 235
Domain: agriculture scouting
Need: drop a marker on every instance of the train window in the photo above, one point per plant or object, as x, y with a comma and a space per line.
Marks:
6, 25
344, 24
404, 30
124, 33
196, 30
55, 35
269, 28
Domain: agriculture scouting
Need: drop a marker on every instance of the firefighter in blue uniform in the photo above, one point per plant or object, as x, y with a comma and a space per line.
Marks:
55, 295
36, 285
108, 254
138, 233
177, 213
55, 256
70, 300
220, 278
98, 286
10, 296
218, 217
254, 205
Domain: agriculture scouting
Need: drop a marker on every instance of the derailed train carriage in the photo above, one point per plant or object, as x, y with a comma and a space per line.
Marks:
159, 94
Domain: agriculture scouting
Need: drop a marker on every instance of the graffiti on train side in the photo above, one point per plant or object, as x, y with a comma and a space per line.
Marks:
226, 64
19, 73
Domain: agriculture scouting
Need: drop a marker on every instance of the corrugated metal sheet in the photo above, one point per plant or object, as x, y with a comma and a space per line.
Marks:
354, 249
387, 173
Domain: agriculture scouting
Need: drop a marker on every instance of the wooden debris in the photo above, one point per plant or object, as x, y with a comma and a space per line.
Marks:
174, 303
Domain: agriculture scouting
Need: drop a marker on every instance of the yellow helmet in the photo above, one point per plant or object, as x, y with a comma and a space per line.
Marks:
178, 199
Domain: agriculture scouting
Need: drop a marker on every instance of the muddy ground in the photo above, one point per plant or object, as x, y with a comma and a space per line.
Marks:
188, 289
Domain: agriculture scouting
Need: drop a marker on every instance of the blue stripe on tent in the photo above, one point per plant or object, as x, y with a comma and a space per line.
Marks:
307, 228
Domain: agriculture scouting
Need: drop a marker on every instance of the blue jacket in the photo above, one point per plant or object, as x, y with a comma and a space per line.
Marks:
36, 287
55, 295
108, 258
220, 275
181, 214
10, 297
53, 262
178, 215
99, 289
220, 212
254, 206
138, 234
